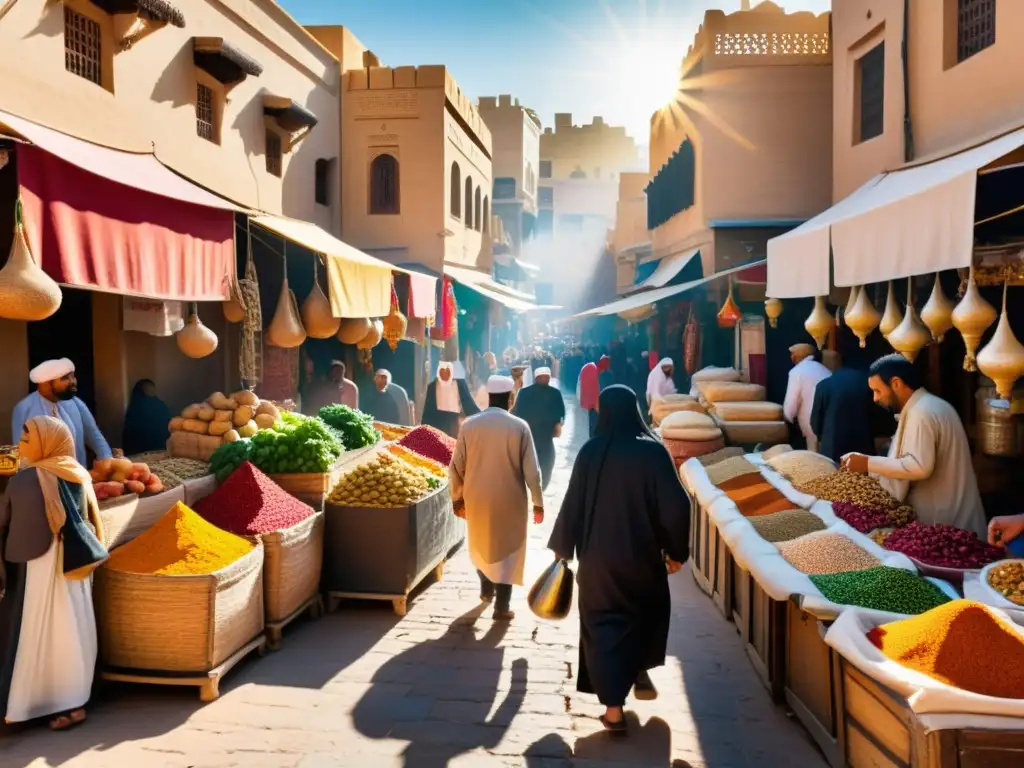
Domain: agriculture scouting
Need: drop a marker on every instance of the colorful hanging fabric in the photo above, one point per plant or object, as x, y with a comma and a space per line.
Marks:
449, 315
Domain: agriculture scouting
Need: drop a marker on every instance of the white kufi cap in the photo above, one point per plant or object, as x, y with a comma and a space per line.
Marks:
500, 385
542, 371
51, 370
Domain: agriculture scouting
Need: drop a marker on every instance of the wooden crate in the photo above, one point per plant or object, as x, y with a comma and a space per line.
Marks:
741, 600
721, 583
813, 687
880, 731
701, 550
766, 639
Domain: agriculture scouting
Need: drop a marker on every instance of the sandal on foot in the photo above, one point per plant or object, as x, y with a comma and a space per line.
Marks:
614, 726
61, 723
643, 689
77, 716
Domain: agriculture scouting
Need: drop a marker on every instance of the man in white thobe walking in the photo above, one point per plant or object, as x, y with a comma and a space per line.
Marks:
803, 380
494, 464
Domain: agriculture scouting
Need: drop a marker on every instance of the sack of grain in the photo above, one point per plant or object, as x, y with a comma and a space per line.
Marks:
801, 467
693, 434
755, 411
711, 373
776, 450
662, 408
686, 419
754, 432
731, 392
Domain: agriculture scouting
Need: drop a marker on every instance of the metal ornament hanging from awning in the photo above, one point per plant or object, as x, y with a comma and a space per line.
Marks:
729, 315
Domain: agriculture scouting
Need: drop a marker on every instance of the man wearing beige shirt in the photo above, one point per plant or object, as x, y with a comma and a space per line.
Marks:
929, 462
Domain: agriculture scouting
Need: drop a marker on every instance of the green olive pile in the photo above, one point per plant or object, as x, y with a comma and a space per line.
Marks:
1008, 580
786, 525
882, 589
852, 487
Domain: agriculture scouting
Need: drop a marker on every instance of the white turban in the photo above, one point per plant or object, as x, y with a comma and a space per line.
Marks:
385, 373
542, 371
500, 385
51, 370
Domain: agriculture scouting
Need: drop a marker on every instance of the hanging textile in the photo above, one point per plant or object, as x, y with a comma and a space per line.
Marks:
449, 315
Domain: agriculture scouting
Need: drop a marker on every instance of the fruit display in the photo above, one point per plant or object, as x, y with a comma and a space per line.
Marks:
867, 519
112, 478
355, 427
227, 418
1008, 580
384, 482
391, 431
411, 457
295, 444
430, 442
943, 545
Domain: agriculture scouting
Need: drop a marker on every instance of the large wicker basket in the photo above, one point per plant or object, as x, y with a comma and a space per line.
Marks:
179, 623
293, 560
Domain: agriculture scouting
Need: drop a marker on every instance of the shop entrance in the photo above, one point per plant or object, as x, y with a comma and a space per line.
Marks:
67, 333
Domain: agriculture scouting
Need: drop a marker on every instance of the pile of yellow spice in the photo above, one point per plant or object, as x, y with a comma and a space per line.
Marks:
180, 544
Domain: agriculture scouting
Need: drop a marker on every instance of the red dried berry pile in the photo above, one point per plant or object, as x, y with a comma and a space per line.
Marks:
863, 519
942, 545
430, 442
250, 503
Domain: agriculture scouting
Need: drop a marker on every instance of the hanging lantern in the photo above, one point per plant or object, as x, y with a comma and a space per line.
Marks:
972, 317
937, 313
819, 323
862, 317
195, 340
395, 323
353, 329
772, 309
1002, 359
317, 317
372, 339
850, 301
729, 315
26, 292
892, 316
911, 336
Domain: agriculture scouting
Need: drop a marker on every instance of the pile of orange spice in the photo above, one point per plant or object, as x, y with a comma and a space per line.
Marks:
755, 496
962, 644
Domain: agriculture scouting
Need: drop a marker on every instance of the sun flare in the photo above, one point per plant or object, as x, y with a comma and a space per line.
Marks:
645, 73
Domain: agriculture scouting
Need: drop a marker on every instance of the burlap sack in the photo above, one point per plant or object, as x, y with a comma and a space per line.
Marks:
761, 411
731, 392
711, 373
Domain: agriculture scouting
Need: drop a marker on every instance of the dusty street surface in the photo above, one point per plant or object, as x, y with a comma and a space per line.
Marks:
443, 686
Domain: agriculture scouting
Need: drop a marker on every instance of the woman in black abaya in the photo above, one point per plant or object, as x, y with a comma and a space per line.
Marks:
626, 518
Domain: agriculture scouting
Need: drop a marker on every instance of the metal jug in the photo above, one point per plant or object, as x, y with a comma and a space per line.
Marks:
551, 595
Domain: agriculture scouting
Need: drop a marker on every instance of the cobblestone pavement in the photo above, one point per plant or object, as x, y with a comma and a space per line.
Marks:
443, 686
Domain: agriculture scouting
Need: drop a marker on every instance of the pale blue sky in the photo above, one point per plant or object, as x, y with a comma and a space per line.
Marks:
587, 57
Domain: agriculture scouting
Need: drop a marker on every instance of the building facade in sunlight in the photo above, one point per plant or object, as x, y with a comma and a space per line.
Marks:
744, 152
630, 241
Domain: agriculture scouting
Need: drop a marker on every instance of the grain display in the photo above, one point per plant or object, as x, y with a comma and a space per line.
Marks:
787, 525
827, 553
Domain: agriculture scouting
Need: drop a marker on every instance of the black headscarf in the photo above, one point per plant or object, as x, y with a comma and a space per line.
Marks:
618, 415
145, 422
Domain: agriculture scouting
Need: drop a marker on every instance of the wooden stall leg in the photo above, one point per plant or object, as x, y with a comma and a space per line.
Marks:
210, 690
400, 606
316, 610
274, 637
439, 571
333, 603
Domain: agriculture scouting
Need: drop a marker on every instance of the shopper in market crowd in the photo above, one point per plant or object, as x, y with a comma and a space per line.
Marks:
803, 378
331, 389
929, 462
659, 380
844, 416
48, 641
493, 467
542, 407
382, 403
588, 389
625, 517
145, 421
448, 401
56, 395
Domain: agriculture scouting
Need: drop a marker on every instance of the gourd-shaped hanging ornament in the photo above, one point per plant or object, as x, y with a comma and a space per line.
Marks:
862, 318
972, 317
354, 329
372, 339
772, 309
1002, 359
27, 293
729, 315
317, 317
850, 301
820, 322
937, 313
911, 336
395, 324
195, 340
285, 328
892, 315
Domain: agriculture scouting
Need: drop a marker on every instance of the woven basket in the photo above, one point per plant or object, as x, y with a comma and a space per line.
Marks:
293, 559
184, 624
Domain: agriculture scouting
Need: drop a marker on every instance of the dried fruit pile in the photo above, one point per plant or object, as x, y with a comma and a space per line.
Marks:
943, 546
863, 519
827, 553
386, 482
430, 442
1008, 580
249, 503
882, 589
786, 525
862, 490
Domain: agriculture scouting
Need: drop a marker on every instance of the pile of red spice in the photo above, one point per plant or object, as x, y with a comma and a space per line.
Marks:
430, 442
249, 503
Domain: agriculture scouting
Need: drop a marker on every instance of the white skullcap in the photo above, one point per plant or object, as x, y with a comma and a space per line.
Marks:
500, 385
51, 370
542, 371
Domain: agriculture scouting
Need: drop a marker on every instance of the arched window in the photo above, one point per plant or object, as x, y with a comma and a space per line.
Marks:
469, 202
455, 191
384, 185
487, 216
476, 209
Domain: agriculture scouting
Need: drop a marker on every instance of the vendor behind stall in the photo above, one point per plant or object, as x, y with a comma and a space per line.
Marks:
929, 462
55, 395
146, 420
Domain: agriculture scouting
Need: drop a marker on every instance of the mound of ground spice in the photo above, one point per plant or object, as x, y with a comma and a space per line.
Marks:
753, 495
787, 525
180, 544
431, 443
249, 503
962, 644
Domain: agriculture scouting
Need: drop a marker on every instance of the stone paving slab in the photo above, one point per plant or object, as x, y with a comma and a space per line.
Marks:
443, 686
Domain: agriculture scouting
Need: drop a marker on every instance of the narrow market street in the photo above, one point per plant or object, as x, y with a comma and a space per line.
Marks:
443, 686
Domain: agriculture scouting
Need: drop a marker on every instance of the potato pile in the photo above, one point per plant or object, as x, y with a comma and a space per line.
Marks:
229, 418
385, 482
112, 478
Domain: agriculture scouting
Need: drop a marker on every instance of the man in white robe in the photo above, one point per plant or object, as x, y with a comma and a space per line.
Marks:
493, 466
55, 395
929, 462
803, 380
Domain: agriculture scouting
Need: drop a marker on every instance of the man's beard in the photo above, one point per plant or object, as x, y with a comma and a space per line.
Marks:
67, 394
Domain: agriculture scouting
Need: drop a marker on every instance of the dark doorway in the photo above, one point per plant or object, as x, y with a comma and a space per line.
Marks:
67, 333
